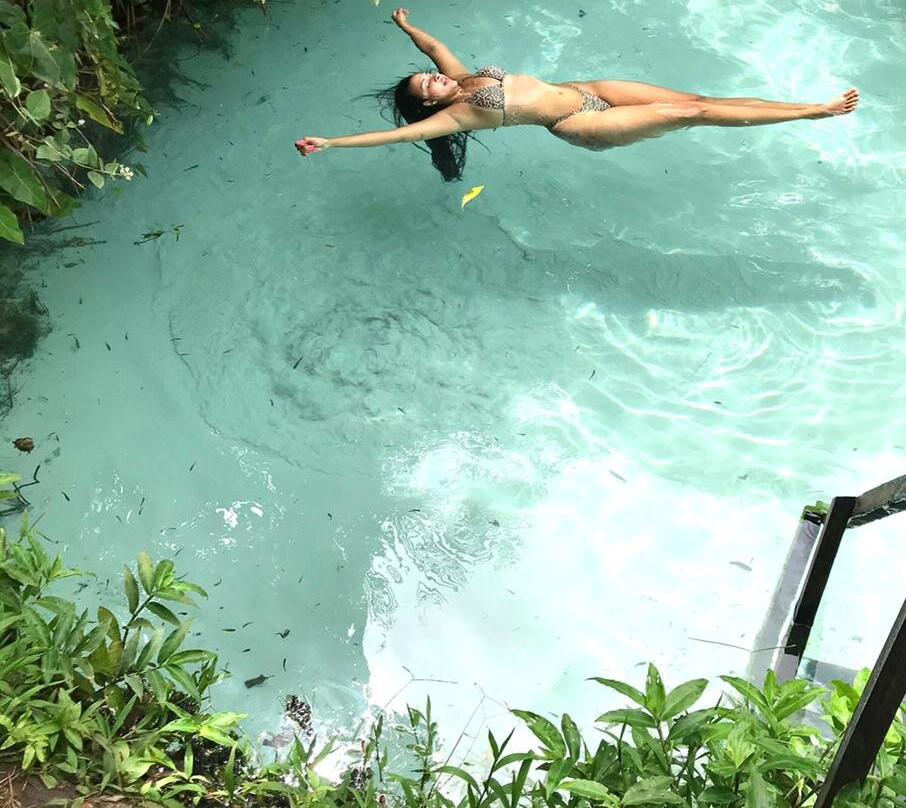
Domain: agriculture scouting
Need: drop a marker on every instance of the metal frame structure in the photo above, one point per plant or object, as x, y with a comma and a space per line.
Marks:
886, 688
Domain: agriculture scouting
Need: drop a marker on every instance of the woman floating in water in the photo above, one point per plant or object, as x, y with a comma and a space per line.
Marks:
442, 108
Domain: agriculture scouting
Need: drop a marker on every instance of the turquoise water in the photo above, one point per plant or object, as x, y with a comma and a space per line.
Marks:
558, 433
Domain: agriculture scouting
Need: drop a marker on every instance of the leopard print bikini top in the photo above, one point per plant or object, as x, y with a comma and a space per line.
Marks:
490, 97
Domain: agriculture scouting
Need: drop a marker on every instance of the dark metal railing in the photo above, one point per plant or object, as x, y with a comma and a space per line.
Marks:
886, 688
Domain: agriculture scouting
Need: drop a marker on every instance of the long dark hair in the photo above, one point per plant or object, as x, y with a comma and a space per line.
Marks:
448, 153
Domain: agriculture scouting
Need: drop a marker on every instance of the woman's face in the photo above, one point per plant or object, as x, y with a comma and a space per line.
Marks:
433, 89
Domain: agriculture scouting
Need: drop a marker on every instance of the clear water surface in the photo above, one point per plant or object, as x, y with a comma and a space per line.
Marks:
558, 433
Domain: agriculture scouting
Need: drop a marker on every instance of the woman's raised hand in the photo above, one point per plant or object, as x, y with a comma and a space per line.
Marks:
310, 145
401, 17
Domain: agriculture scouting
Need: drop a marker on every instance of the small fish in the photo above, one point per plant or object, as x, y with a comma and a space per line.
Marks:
192, 467
65, 496
329, 515
621, 479
247, 624
228, 629
592, 375
126, 336
283, 634
219, 582
284, 663
470, 195
246, 650
742, 566
190, 167
260, 679
150, 235
108, 346
494, 522
298, 361
76, 339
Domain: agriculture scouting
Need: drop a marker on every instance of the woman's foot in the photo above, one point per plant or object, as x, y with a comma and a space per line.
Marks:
842, 104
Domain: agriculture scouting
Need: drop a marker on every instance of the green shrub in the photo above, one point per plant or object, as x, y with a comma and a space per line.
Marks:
62, 77
117, 704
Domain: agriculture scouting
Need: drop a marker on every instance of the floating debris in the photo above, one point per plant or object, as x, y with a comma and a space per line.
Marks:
24, 444
260, 679
469, 195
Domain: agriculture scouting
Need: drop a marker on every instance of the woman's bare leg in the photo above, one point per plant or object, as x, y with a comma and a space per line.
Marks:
632, 93
623, 125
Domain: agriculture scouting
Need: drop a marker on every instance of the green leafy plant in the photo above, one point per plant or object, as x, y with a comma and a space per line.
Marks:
115, 703
60, 67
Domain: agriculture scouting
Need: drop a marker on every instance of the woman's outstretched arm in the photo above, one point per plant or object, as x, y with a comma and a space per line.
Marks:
442, 123
434, 49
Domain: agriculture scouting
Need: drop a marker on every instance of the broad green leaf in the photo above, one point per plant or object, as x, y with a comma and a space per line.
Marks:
572, 736
545, 731
37, 102
180, 725
749, 692
654, 692
462, 774
621, 687
590, 790
224, 719
651, 791
163, 613
11, 14
793, 702
8, 79
158, 685
164, 570
134, 768
7, 478
216, 735
757, 792
97, 179
150, 648
47, 63
691, 723
98, 114
556, 772
184, 679
21, 181
173, 641
105, 616
130, 651
634, 718
190, 656
146, 572
682, 697
131, 587
135, 683
515, 757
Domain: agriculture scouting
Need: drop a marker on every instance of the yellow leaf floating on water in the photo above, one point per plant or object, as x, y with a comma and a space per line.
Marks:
470, 195
376, 2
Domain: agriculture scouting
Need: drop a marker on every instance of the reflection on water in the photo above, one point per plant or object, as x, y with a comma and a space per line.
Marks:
558, 433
